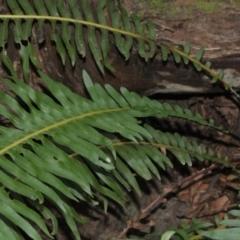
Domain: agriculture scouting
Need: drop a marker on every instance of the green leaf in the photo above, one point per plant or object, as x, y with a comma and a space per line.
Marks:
222, 234
187, 47
197, 225
127, 26
115, 19
65, 34
66, 39
32, 56
40, 8
200, 53
151, 35
7, 62
164, 51
235, 213
104, 34
221, 74
25, 61
92, 41
182, 234
78, 35
138, 166
12, 215
25, 211
59, 45
198, 57
231, 222
176, 56
139, 30
127, 174
47, 214
186, 50
17, 31
4, 33
167, 235
19, 187
208, 64
183, 157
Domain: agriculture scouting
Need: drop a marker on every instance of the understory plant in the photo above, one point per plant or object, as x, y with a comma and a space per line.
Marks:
228, 228
59, 147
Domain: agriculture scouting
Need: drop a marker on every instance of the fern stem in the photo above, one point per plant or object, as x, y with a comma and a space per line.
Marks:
87, 23
203, 66
55, 125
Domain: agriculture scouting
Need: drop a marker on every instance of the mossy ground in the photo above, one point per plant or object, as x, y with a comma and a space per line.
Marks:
175, 8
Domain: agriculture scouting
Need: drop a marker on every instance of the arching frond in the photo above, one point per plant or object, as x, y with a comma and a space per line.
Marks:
66, 13
68, 18
70, 148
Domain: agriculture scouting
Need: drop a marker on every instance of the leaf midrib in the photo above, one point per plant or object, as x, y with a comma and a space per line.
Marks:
56, 125
72, 20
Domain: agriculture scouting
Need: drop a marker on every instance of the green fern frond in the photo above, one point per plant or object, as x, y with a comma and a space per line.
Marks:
196, 61
65, 149
66, 13
178, 112
69, 18
143, 157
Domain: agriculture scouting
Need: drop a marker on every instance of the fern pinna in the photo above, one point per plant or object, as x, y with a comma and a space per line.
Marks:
68, 20
71, 148
223, 229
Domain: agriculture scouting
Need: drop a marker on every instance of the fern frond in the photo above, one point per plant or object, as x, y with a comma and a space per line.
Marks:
196, 61
167, 110
65, 149
66, 13
70, 16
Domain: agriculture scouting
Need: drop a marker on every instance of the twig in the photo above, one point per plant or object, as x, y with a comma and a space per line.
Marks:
215, 211
145, 212
191, 177
162, 199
